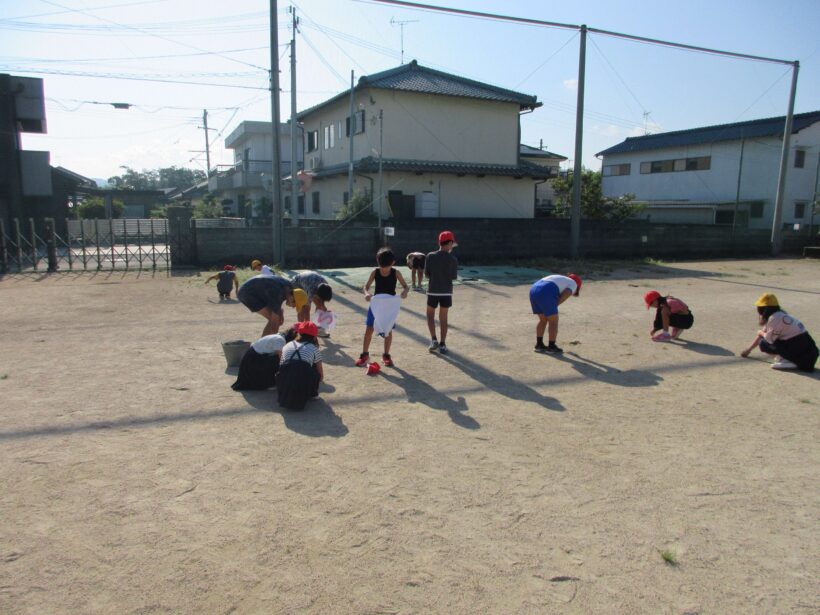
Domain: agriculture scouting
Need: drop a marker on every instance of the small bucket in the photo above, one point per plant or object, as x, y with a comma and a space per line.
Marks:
234, 351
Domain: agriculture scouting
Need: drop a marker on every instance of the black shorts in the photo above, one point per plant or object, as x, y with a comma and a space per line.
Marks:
418, 262
259, 293
434, 301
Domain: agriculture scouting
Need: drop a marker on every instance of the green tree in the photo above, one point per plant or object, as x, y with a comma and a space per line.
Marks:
147, 179
93, 207
359, 207
208, 207
593, 203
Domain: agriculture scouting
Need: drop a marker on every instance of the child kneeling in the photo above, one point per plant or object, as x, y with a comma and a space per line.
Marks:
300, 371
671, 312
784, 336
260, 364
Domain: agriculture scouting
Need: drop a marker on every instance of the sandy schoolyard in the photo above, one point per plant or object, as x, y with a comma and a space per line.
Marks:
493, 480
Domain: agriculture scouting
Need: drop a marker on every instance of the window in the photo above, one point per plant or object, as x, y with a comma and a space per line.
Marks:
724, 216
799, 159
799, 211
313, 140
358, 123
756, 209
617, 169
700, 163
317, 208
329, 136
300, 203
345, 197
287, 203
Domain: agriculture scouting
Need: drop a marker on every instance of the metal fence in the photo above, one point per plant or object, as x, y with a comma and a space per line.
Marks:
84, 245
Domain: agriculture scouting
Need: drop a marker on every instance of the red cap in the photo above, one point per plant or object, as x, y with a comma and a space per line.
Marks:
308, 328
229, 267
445, 236
577, 280
373, 369
651, 296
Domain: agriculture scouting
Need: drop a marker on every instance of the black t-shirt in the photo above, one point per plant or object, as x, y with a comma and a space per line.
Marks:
385, 285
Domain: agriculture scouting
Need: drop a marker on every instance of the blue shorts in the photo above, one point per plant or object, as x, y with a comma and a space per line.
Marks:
371, 320
544, 298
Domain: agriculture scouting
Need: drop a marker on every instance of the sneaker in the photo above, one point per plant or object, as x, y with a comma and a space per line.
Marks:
433, 346
323, 332
363, 359
553, 348
443, 349
783, 364
388, 362
662, 337
541, 348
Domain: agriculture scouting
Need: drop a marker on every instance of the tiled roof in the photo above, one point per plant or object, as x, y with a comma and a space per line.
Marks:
768, 127
534, 152
413, 77
371, 165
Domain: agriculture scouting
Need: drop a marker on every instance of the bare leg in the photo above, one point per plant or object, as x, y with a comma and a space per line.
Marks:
303, 315
368, 335
541, 326
275, 320
552, 322
442, 317
388, 341
431, 321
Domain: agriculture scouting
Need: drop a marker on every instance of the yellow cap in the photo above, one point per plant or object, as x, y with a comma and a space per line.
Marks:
767, 300
256, 263
299, 298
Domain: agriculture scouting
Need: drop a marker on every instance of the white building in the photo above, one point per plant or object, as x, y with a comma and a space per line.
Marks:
246, 183
449, 147
544, 192
702, 175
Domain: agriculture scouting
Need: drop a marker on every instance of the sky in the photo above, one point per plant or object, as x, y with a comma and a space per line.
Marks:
171, 59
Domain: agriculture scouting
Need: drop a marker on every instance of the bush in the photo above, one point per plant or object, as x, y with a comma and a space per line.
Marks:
359, 207
94, 208
593, 203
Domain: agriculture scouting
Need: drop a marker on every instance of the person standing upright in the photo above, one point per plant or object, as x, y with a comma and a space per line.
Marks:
440, 268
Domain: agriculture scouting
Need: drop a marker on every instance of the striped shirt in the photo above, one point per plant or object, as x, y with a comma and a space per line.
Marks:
308, 281
307, 352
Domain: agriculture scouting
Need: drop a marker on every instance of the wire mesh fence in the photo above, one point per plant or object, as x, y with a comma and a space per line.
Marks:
84, 245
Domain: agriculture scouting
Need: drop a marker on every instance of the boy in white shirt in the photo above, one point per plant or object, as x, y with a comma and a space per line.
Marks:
545, 297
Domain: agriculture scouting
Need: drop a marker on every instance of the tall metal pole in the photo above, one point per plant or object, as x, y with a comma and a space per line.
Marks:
294, 167
381, 157
350, 145
777, 220
207, 144
276, 186
739, 174
575, 222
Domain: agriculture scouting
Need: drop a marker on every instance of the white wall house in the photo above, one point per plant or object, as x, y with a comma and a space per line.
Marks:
247, 181
449, 147
692, 176
544, 192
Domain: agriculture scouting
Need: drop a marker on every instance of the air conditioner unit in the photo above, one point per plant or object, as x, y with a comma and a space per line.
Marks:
315, 163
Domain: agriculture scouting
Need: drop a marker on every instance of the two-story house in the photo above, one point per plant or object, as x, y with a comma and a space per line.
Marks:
446, 146
703, 175
544, 192
246, 183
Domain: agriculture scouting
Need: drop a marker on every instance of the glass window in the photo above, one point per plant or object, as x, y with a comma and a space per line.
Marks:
799, 211
313, 140
317, 208
799, 158
617, 169
646, 167
756, 210
681, 164
300, 203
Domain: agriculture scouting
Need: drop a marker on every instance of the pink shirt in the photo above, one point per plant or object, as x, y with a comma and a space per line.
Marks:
676, 306
781, 326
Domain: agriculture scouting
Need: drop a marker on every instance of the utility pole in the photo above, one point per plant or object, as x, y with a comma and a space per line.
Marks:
381, 156
207, 144
350, 145
777, 219
276, 186
294, 167
737, 191
575, 222
401, 24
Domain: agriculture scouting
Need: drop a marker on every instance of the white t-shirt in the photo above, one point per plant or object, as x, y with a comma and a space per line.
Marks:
782, 326
269, 344
562, 282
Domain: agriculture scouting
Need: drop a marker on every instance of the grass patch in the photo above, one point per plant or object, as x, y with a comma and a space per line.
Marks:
4, 376
670, 557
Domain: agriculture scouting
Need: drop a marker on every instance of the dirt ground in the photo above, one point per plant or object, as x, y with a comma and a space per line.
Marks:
494, 480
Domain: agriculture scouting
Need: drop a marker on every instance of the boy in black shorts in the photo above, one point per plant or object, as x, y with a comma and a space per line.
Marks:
440, 268
415, 263
264, 295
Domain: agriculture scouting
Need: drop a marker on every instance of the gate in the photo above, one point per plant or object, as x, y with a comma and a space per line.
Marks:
85, 245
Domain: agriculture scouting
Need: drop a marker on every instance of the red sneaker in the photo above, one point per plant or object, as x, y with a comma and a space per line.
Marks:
363, 359
388, 362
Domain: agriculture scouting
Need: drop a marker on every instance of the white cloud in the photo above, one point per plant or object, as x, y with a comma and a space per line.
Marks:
571, 84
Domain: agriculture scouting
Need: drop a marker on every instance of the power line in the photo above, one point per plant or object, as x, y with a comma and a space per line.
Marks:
126, 78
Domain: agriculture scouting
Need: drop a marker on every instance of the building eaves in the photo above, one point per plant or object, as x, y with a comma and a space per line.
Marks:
370, 164
413, 77
534, 152
767, 127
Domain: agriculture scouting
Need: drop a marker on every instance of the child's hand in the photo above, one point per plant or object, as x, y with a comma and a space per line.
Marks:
404, 293
367, 296
745, 353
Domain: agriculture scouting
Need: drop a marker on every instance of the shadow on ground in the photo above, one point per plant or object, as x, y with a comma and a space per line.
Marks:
607, 373
316, 420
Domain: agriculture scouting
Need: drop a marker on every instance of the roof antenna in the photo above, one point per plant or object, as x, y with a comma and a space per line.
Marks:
646, 122
401, 24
